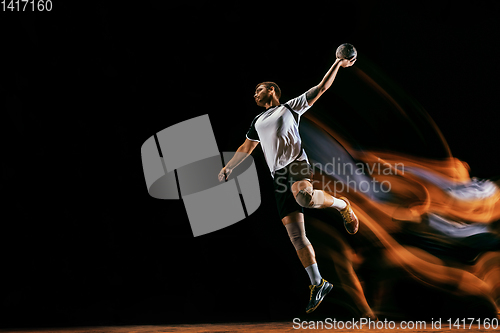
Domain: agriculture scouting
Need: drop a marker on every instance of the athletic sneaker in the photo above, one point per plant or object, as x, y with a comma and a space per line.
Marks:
351, 221
317, 294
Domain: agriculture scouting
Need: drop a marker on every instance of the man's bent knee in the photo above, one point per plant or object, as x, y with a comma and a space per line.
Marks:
310, 198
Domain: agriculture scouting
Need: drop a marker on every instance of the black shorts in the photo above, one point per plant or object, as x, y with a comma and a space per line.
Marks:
283, 180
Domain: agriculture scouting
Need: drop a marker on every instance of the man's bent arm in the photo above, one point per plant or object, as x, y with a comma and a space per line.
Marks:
241, 153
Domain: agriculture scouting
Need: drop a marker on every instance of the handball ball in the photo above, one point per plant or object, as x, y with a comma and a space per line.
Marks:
346, 51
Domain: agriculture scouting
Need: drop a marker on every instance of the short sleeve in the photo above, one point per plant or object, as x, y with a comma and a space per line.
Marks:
252, 132
299, 104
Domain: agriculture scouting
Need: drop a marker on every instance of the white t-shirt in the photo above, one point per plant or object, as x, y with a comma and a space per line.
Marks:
277, 130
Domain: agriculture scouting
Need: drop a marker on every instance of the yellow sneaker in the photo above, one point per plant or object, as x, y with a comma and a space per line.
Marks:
317, 294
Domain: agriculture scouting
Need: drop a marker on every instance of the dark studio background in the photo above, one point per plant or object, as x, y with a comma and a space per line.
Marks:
85, 85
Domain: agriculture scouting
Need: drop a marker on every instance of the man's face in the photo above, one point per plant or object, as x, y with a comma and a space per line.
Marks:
262, 95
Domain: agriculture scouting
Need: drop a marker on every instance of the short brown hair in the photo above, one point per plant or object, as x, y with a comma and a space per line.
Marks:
268, 85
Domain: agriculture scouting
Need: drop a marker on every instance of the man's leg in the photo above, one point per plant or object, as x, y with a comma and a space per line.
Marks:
298, 237
294, 224
304, 190
308, 197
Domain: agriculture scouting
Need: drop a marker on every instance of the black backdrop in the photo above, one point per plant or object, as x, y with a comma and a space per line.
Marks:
85, 85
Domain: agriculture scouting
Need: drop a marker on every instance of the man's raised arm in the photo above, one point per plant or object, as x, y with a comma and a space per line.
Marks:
315, 92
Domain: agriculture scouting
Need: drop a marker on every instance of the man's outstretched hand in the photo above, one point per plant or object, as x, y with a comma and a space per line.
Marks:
347, 63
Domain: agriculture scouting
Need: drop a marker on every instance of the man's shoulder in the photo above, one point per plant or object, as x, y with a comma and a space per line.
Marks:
298, 103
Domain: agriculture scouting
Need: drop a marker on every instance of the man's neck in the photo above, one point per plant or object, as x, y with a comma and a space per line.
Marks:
274, 102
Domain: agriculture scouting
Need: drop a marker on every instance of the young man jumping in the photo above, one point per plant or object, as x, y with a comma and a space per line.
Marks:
277, 129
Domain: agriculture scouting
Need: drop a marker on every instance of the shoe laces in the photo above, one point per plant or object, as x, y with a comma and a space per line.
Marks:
313, 287
346, 213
